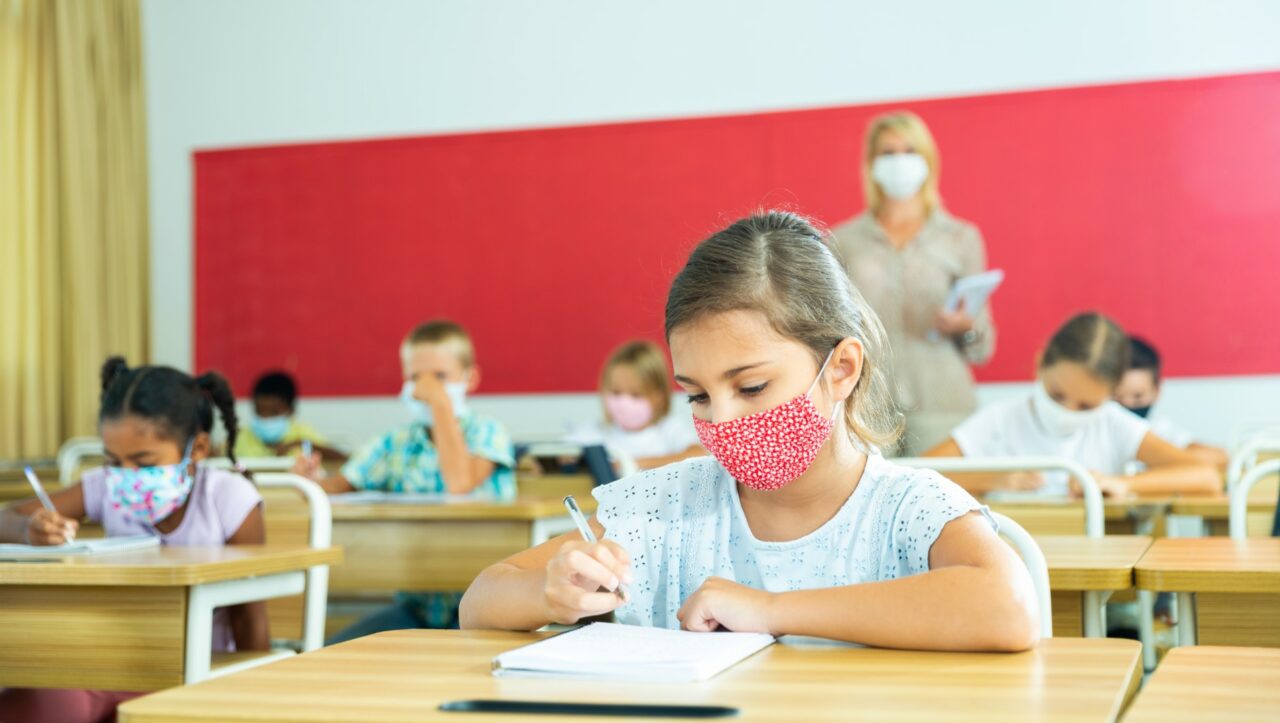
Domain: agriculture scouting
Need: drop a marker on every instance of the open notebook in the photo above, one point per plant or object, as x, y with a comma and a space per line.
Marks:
79, 547
628, 652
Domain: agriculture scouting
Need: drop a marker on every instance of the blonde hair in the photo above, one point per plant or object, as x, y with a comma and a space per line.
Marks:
646, 359
917, 134
443, 332
779, 264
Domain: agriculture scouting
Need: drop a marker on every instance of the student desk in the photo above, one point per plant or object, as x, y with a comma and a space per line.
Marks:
1211, 684
1228, 590
1131, 516
442, 547
135, 620
404, 675
1213, 512
1083, 573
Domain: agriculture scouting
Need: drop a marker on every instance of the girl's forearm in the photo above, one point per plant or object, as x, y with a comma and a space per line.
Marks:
1191, 478
504, 597
952, 608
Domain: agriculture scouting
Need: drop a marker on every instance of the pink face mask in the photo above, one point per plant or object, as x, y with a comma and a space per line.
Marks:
630, 413
769, 450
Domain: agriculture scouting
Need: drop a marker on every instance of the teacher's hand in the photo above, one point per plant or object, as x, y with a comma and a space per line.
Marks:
953, 323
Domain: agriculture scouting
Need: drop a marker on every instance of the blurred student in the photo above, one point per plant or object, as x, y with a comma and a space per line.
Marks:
1139, 390
446, 449
155, 424
274, 430
1070, 414
635, 390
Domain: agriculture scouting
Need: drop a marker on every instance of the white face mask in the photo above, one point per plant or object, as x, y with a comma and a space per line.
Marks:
1057, 419
900, 175
421, 411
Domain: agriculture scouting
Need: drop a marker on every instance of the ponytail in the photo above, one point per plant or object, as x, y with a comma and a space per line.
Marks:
217, 392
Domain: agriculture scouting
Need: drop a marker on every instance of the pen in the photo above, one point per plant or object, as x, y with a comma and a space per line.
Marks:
41, 494
584, 529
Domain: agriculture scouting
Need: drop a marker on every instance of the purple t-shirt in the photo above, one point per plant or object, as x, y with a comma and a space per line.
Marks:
219, 503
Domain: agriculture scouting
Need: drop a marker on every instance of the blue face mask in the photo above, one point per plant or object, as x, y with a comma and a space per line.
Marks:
150, 494
270, 430
421, 411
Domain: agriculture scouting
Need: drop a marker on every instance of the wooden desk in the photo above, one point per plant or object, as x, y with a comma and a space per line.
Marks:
1138, 515
1228, 591
1083, 573
404, 675
1213, 511
440, 547
138, 620
1207, 683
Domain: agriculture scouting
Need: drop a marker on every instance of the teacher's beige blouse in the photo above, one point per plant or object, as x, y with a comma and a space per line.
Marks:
907, 287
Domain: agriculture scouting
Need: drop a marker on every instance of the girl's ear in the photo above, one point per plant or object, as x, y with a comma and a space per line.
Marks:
202, 447
845, 368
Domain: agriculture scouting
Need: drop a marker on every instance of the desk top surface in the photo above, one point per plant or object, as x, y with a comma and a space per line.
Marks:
405, 675
167, 566
1201, 683
1211, 564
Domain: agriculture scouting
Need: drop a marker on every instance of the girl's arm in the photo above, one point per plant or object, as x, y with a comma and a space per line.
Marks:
249, 625
27, 522
1171, 470
560, 581
977, 595
694, 450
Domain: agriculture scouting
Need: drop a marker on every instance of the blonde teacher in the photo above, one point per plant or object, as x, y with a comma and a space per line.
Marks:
905, 252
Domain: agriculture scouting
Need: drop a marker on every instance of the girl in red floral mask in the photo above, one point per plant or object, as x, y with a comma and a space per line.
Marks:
795, 525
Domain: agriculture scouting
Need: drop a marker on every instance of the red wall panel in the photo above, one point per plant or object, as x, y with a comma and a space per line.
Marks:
1154, 202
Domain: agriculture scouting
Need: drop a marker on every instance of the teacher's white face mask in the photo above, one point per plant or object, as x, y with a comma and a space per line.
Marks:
900, 175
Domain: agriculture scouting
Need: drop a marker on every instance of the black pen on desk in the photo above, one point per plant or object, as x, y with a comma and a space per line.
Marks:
584, 529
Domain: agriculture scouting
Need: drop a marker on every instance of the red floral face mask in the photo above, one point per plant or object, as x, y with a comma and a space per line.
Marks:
770, 449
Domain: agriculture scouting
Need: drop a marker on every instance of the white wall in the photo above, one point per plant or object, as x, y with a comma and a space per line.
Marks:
241, 72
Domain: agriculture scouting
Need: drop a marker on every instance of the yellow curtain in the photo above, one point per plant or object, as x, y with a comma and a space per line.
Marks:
73, 213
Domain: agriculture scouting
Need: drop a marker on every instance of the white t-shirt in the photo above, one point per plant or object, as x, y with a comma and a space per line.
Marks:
683, 523
672, 434
1171, 432
1011, 429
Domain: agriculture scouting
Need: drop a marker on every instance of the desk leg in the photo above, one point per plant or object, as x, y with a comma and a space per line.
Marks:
1186, 618
547, 528
202, 599
1095, 613
1147, 628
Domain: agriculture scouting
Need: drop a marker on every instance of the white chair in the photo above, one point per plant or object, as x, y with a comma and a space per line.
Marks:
1094, 514
73, 452
254, 464
1238, 510
1246, 455
316, 587
1026, 546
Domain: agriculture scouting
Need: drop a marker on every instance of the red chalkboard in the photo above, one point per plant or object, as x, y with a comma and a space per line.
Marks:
1158, 203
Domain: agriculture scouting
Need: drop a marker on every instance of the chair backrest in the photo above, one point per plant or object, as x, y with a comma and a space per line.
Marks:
73, 452
319, 534
254, 464
1246, 456
1094, 514
1033, 558
1237, 519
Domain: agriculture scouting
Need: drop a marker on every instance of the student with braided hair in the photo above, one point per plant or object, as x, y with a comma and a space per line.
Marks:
155, 424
